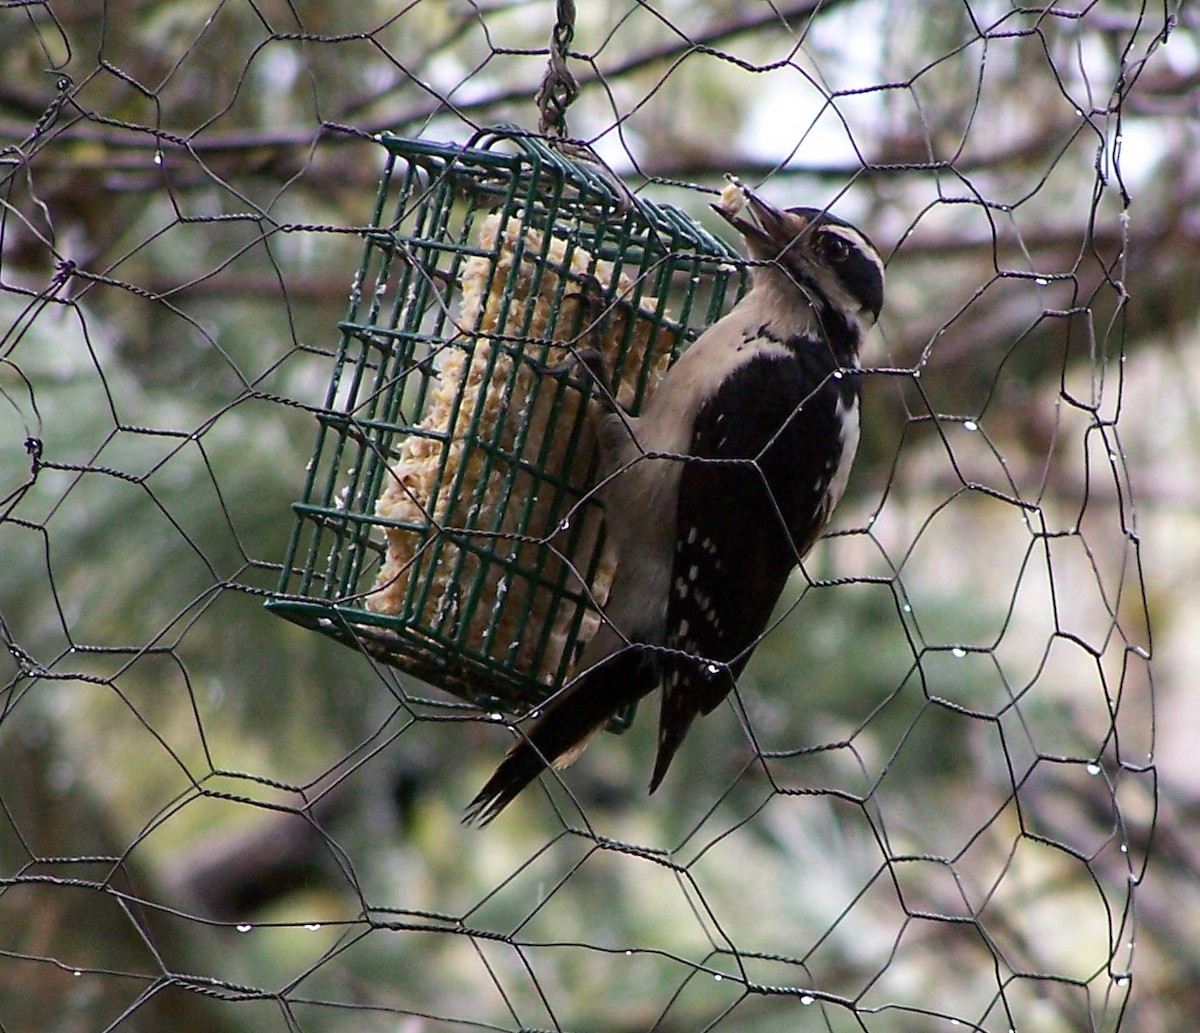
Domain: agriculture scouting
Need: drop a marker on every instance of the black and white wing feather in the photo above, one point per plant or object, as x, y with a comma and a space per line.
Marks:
762, 486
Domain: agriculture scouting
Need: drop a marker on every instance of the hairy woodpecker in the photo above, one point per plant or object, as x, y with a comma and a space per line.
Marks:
719, 488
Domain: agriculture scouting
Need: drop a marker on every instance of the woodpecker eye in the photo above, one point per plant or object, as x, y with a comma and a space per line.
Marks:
835, 248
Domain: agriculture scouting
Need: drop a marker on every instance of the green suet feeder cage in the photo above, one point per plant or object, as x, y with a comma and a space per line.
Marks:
448, 525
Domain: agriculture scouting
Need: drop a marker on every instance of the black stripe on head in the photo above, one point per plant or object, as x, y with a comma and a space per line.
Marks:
847, 252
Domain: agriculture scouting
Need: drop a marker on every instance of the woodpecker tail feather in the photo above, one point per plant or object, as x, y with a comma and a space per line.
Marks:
689, 690
559, 735
678, 713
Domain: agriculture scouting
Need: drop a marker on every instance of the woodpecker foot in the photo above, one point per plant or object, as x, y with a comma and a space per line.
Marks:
584, 369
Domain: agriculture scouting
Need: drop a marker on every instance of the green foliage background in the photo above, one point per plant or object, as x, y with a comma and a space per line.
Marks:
213, 820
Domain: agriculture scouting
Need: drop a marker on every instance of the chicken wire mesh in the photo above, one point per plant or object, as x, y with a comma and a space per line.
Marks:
932, 805
448, 525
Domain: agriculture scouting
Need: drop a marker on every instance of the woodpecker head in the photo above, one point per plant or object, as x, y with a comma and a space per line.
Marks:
830, 262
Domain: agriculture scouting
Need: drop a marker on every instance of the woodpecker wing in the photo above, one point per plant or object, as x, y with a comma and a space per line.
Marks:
754, 495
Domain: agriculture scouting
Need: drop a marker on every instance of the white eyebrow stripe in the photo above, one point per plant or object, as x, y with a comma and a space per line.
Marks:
854, 238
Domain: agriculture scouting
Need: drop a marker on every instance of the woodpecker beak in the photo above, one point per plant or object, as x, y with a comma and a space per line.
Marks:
769, 232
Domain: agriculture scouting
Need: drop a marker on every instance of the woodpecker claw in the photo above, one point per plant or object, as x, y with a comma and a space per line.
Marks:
594, 376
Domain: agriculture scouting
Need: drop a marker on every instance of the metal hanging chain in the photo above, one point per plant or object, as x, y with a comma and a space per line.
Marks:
559, 87
555, 94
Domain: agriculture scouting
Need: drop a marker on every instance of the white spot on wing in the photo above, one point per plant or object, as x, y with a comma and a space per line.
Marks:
848, 413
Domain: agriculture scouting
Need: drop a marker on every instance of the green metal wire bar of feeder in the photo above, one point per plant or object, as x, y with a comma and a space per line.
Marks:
560, 228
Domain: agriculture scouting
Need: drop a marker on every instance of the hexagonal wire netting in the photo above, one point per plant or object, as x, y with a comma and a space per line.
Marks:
929, 805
